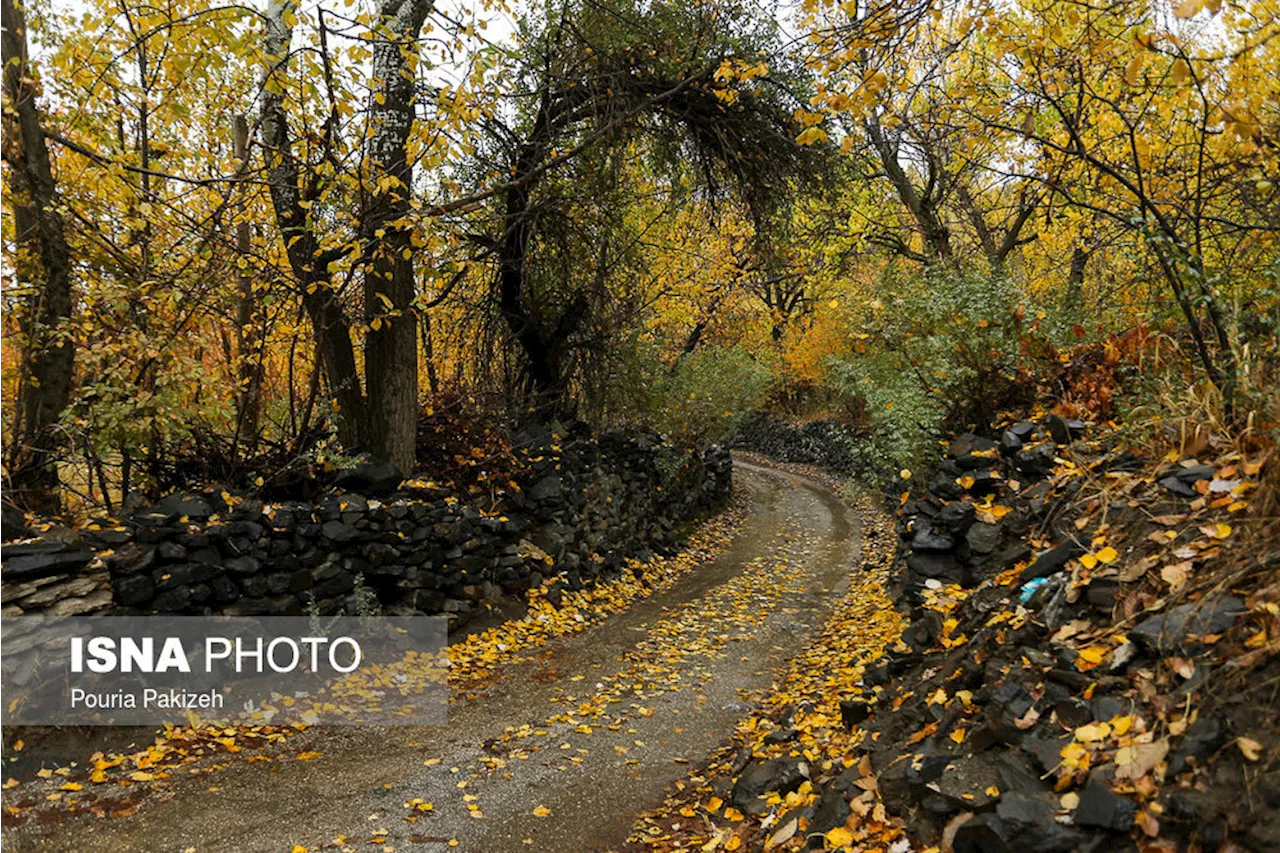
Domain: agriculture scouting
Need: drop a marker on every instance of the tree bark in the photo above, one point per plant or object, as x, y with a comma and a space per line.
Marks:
43, 265
1074, 301
391, 346
541, 364
923, 206
248, 329
329, 321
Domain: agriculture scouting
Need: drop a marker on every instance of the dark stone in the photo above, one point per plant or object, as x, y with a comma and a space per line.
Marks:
780, 736
1051, 561
1168, 632
1010, 444
1104, 708
133, 590
336, 585
172, 600
546, 489
1195, 473
964, 785
1202, 739
832, 811
171, 552
1045, 748
984, 538
1072, 713
1179, 488
1063, 431
985, 483
1101, 593
242, 566
13, 523
956, 518
923, 630
132, 558
224, 589
1022, 822
1023, 429
966, 443
854, 711
336, 531
925, 539
974, 462
254, 586
984, 833
1008, 703
40, 559
781, 775
1036, 462
167, 577
192, 507
943, 566
1101, 808
945, 488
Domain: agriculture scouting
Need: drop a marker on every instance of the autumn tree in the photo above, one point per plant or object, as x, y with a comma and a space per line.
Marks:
381, 416
659, 79
43, 265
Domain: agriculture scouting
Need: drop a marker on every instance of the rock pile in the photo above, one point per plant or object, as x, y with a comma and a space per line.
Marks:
959, 530
1032, 704
368, 539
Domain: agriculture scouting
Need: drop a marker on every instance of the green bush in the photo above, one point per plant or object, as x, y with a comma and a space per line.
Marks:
705, 395
942, 352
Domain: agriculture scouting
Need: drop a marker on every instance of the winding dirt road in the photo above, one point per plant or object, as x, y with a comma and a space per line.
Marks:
557, 755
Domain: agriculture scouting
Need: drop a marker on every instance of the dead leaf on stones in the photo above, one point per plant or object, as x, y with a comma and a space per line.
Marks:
1176, 574
1027, 720
1071, 629
1139, 759
953, 826
784, 834
1249, 748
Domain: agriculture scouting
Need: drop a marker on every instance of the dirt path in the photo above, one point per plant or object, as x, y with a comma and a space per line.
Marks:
594, 731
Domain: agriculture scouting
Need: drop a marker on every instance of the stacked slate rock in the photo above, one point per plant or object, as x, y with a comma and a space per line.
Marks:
824, 443
947, 538
966, 737
58, 577
368, 538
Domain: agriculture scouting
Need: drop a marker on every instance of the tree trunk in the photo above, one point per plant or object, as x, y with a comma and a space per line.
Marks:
43, 265
248, 330
391, 346
923, 207
328, 319
1073, 304
511, 274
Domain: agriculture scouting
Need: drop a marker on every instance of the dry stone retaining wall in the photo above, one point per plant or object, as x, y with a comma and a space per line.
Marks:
413, 548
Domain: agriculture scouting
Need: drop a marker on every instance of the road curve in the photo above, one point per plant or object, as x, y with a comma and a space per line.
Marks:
589, 734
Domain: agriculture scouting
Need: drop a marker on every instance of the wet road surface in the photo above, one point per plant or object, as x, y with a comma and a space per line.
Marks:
560, 753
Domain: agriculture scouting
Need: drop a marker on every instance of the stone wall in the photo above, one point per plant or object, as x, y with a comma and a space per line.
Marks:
824, 443
586, 504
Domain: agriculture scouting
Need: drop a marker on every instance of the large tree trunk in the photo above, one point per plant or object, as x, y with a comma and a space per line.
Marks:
332, 329
391, 346
539, 365
923, 206
43, 265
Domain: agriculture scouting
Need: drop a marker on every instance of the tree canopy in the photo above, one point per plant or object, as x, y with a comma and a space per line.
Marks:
237, 234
